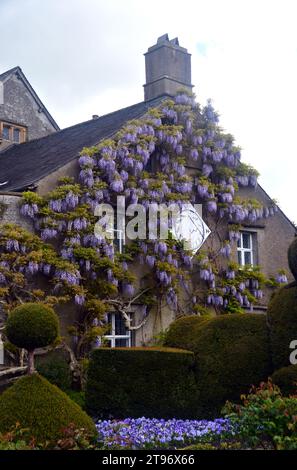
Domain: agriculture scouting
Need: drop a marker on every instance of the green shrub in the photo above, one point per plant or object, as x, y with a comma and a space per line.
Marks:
55, 369
41, 408
265, 419
286, 379
231, 354
183, 332
135, 382
78, 397
282, 323
32, 325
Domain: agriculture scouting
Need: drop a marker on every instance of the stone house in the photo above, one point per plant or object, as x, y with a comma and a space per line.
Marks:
41, 162
23, 116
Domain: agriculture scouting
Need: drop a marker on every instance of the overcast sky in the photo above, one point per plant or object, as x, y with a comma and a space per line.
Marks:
85, 57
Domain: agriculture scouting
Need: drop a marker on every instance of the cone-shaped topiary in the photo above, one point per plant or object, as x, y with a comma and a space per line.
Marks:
282, 316
292, 258
31, 326
42, 408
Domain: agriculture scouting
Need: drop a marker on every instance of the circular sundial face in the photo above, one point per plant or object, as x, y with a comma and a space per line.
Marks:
190, 228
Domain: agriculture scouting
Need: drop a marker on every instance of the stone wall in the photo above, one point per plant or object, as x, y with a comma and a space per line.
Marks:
20, 107
9, 211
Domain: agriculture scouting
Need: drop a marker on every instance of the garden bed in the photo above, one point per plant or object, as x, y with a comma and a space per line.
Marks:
145, 433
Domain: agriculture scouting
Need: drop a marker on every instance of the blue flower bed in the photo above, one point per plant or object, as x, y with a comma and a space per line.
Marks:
145, 433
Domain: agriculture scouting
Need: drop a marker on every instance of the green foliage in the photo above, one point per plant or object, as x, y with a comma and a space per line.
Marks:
135, 382
32, 325
265, 418
231, 354
71, 439
286, 379
292, 258
78, 397
41, 408
282, 323
56, 370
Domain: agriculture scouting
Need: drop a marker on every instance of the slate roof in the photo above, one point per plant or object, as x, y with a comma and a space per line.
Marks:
25, 164
20, 74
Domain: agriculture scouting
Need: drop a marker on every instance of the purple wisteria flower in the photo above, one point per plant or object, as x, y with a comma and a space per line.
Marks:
29, 210
281, 278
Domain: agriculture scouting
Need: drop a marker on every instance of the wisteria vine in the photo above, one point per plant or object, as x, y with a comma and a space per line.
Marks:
175, 153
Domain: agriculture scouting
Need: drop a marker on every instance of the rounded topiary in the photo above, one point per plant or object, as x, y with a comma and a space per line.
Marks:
282, 316
31, 326
231, 354
183, 332
292, 258
42, 408
286, 379
282, 322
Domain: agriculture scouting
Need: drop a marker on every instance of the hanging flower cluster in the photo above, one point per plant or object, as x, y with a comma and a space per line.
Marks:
146, 162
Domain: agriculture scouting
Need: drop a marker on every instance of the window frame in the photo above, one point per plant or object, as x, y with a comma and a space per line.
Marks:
11, 128
113, 336
242, 250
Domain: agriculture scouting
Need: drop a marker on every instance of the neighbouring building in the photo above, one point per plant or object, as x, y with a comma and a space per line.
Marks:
23, 116
38, 164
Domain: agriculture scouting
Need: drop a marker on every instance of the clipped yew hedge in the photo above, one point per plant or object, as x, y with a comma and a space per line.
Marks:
286, 379
231, 354
135, 382
282, 323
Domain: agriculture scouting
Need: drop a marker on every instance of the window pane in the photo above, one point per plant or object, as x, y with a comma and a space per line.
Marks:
121, 343
5, 132
247, 258
239, 258
246, 240
120, 328
16, 135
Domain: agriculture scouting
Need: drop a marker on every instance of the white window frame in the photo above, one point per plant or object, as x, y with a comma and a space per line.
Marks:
242, 250
120, 236
113, 336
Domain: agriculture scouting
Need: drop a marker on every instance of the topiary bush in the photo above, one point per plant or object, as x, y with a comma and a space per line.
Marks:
42, 408
282, 316
136, 382
55, 369
183, 332
231, 354
286, 379
31, 326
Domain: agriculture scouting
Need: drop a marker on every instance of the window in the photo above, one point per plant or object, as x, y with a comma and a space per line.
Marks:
12, 133
6, 133
245, 249
16, 135
119, 335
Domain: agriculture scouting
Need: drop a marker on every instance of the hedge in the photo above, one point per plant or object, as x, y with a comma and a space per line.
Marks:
286, 379
231, 354
41, 408
282, 322
135, 382
55, 368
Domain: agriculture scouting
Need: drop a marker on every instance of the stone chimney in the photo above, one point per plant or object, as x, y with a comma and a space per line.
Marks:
167, 68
